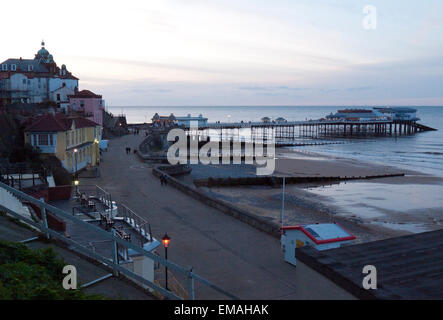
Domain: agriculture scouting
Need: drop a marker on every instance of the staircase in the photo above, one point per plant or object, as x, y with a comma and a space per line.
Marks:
9, 201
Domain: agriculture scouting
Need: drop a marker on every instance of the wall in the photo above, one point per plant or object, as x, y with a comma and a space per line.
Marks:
311, 285
91, 106
225, 207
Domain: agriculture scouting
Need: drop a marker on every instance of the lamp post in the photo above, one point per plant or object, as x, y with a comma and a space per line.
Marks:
283, 202
75, 155
76, 186
76, 176
166, 241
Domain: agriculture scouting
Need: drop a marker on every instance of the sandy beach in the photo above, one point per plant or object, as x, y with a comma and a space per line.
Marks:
369, 209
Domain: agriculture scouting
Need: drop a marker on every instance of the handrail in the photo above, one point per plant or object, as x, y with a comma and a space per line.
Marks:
117, 240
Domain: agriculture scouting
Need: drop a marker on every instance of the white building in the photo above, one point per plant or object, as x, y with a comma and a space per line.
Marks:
34, 80
186, 121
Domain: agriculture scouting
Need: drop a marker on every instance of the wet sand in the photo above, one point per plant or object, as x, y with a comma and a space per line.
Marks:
357, 211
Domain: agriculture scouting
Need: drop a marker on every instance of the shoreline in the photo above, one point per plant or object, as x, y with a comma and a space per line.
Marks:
303, 206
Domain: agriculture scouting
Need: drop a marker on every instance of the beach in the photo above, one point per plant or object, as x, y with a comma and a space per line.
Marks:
353, 204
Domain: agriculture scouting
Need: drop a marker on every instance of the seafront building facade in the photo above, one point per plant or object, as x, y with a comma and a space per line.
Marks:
88, 103
34, 80
73, 140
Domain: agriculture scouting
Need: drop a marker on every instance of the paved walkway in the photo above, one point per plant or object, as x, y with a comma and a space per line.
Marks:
242, 260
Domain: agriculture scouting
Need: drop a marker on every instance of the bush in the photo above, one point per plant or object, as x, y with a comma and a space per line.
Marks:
33, 274
62, 177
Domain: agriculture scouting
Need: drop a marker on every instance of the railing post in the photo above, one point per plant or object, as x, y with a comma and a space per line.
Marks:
114, 253
191, 285
45, 220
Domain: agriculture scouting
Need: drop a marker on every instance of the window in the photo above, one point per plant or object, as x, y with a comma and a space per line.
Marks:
34, 139
58, 96
31, 68
24, 81
67, 139
4, 67
42, 139
51, 140
13, 67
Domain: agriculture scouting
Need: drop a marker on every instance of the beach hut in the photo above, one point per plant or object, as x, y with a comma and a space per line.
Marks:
321, 236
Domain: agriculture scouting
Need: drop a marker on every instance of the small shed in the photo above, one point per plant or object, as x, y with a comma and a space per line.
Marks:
321, 236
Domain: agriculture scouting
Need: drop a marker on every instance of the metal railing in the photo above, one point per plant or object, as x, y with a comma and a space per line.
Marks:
116, 240
142, 226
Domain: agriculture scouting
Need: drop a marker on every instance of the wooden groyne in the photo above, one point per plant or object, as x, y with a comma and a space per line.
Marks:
278, 181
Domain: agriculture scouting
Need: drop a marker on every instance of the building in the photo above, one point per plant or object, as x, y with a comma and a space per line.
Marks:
188, 120
400, 113
163, 121
89, 104
34, 80
321, 236
407, 267
73, 140
357, 115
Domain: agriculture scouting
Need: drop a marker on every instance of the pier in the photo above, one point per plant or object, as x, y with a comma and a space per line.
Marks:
311, 129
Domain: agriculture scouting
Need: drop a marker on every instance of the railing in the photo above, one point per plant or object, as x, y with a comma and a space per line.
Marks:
141, 225
116, 240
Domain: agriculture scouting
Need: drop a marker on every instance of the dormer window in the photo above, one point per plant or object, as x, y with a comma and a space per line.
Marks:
4, 67
13, 67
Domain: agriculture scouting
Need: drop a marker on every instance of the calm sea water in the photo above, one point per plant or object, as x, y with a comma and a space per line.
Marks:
422, 152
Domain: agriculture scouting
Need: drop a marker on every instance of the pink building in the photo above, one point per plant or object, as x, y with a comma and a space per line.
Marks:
89, 104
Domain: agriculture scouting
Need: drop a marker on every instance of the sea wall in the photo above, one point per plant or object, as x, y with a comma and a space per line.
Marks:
223, 206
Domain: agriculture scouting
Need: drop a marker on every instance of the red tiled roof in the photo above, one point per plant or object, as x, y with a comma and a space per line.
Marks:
58, 122
85, 94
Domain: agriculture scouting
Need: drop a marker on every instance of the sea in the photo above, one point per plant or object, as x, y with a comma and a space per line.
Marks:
423, 151
410, 208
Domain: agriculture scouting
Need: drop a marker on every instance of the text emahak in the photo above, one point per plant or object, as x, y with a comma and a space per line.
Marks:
222, 309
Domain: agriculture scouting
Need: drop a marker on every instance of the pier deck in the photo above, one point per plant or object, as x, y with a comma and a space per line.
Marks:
312, 128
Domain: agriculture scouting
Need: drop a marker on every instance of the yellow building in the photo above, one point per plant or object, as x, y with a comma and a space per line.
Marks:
73, 140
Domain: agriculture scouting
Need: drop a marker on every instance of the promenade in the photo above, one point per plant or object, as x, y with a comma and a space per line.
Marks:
233, 255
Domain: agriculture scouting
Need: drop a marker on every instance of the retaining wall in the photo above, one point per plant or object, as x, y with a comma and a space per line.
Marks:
223, 206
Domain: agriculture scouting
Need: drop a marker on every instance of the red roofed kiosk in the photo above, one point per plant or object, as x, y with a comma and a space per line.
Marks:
321, 236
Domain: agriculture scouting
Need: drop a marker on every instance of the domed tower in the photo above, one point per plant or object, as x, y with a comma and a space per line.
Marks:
42, 53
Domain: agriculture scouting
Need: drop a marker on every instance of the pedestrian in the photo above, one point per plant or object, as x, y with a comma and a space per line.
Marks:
165, 180
129, 150
161, 179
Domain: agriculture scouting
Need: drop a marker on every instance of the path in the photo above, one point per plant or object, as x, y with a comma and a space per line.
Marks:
240, 259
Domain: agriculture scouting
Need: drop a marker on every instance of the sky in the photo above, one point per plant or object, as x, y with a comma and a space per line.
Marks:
238, 52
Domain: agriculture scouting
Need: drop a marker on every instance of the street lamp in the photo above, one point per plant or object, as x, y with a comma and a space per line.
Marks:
76, 186
75, 155
166, 241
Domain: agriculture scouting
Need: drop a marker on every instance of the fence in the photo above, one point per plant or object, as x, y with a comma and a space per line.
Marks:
113, 261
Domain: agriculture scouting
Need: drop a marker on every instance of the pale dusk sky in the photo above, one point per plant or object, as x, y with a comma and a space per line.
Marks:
238, 52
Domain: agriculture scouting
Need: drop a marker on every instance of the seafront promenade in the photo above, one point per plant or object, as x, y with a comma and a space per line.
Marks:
233, 255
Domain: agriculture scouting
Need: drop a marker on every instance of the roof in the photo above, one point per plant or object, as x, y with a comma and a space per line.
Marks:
22, 65
408, 267
323, 233
85, 94
58, 122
